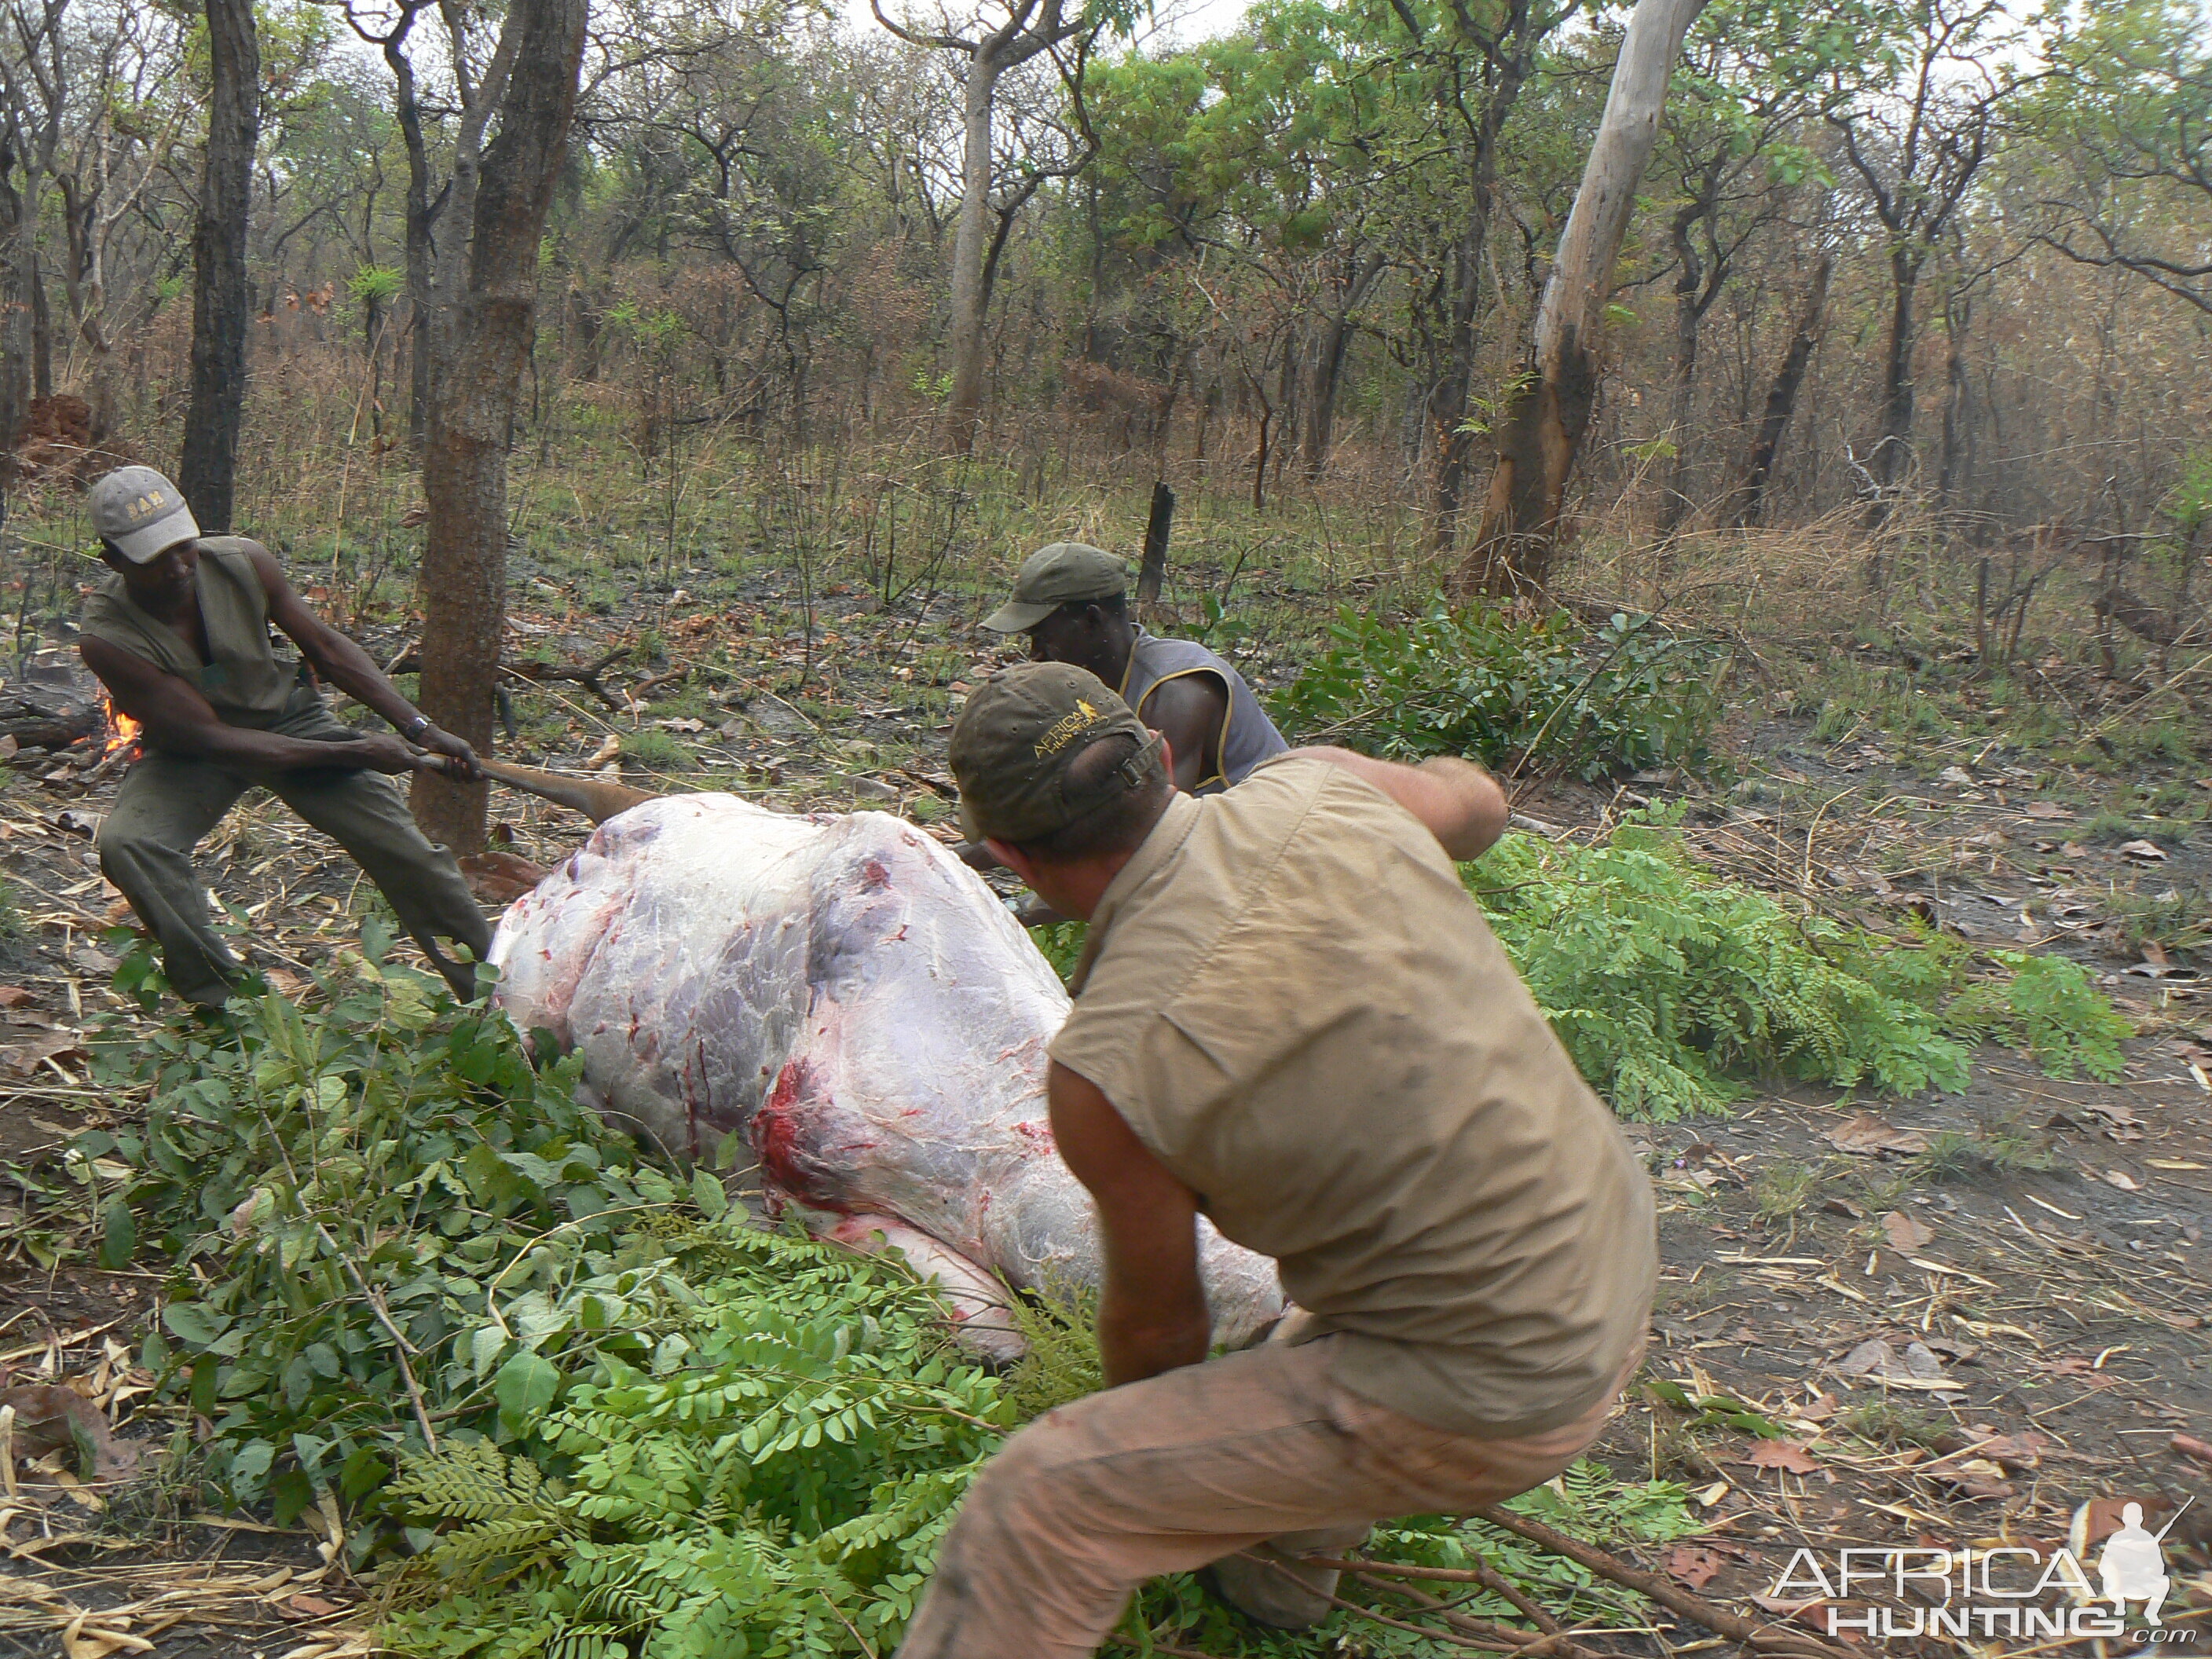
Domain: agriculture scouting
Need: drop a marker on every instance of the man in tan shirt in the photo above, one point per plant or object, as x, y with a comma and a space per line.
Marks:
1290, 1016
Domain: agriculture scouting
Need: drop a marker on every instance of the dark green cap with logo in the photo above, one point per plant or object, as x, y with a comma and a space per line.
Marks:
1014, 742
1066, 572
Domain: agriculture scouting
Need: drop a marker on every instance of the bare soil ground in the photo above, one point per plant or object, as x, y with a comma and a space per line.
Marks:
1990, 1308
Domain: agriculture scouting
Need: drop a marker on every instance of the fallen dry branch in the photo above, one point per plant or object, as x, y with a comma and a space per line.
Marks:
587, 675
1496, 1582
1675, 1599
1554, 1642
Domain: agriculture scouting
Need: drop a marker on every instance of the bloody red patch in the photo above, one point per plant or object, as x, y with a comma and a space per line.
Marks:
777, 1136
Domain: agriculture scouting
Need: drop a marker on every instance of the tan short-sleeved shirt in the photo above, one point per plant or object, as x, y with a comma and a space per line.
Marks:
1293, 1002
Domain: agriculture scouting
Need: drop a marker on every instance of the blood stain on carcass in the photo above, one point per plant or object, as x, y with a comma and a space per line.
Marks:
775, 1136
873, 874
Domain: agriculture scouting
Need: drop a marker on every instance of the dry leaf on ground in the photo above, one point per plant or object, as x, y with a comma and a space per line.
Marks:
48, 1418
2148, 852
1907, 1232
1690, 1565
1876, 1361
497, 877
1863, 1131
1782, 1455
24, 1057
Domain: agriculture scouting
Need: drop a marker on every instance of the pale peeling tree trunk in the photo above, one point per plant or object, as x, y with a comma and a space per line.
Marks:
1032, 28
1543, 430
481, 337
207, 468
971, 234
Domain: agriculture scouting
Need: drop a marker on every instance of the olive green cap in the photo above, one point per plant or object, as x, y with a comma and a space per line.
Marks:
1013, 742
1063, 573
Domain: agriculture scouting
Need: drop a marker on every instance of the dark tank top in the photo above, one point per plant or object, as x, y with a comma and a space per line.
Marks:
1247, 736
244, 680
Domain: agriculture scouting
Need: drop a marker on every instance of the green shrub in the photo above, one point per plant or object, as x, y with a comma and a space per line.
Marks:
659, 1429
330, 1184
1479, 682
2050, 1007
1673, 989
1666, 985
772, 1475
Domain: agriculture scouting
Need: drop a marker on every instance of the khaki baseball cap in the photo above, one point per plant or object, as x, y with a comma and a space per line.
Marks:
1062, 573
1014, 741
140, 512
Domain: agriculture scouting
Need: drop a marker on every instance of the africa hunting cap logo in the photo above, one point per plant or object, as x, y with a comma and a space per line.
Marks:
1069, 727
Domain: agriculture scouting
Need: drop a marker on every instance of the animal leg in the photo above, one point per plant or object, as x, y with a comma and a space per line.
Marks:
975, 1297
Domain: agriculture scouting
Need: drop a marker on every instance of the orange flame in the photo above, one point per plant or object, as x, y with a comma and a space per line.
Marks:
122, 731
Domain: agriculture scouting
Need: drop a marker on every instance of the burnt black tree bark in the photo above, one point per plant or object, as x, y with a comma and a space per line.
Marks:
478, 333
1782, 398
207, 468
1917, 157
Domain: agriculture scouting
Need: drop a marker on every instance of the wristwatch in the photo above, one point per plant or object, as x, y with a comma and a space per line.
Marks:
418, 726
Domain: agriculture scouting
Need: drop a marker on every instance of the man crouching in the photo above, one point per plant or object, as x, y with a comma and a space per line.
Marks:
1289, 1014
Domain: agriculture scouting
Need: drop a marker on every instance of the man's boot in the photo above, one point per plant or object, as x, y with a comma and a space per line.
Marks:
1270, 1587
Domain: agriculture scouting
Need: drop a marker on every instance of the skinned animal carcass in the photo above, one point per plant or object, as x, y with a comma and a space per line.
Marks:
850, 1000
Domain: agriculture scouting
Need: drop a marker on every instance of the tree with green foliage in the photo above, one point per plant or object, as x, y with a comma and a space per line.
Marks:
2126, 116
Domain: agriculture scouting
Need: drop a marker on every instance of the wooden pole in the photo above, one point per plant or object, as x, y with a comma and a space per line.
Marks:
1158, 528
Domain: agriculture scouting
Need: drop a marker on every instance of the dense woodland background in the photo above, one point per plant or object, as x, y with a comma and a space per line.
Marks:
1303, 253
670, 388
1913, 287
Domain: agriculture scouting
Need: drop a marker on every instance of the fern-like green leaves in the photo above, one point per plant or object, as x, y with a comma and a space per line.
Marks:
1670, 986
773, 1479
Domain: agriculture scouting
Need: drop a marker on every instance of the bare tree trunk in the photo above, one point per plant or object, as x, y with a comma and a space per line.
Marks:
1958, 316
1543, 431
483, 347
1327, 373
42, 324
207, 470
1782, 398
1448, 403
1893, 453
15, 314
1159, 526
971, 297
1681, 407
407, 107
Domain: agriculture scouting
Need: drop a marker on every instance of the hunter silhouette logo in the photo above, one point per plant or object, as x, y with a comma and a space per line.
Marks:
2133, 1565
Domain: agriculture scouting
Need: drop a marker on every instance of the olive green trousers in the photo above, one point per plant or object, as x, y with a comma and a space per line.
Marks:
169, 802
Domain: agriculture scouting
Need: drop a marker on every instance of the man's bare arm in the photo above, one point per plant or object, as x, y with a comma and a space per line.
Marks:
1459, 802
1190, 709
338, 660
180, 721
1153, 1316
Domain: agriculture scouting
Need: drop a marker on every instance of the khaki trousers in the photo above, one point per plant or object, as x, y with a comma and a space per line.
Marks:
1168, 1474
169, 802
